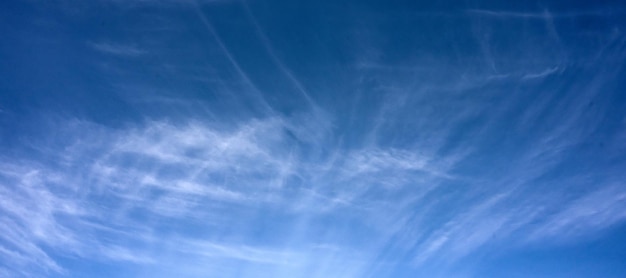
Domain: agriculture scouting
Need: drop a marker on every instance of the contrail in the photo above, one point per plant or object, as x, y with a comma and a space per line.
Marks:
270, 50
231, 58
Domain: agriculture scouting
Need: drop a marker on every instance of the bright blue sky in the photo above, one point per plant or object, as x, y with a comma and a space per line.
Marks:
259, 138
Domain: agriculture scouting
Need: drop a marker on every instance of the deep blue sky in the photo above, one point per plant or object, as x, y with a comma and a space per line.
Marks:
258, 138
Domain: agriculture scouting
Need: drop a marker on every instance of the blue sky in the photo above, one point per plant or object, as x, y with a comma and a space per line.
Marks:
260, 138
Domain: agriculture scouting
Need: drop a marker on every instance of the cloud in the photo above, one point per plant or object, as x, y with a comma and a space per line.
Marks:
110, 182
595, 211
29, 221
122, 254
272, 53
239, 252
201, 192
118, 49
408, 158
542, 74
541, 15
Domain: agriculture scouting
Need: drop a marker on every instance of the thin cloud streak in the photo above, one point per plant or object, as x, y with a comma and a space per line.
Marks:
225, 175
119, 49
542, 15
162, 171
127, 185
231, 58
392, 143
270, 50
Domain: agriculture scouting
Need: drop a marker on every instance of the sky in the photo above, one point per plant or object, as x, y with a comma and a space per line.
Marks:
343, 138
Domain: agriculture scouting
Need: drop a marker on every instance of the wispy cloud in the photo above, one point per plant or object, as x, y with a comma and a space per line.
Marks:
160, 175
272, 53
125, 194
118, 49
428, 176
162, 171
542, 74
542, 14
418, 149
595, 211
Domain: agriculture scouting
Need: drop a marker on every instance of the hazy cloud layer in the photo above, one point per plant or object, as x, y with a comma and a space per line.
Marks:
250, 139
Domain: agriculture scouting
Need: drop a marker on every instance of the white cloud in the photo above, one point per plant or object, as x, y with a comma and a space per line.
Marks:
119, 49
592, 212
114, 193
539, 15
542, 74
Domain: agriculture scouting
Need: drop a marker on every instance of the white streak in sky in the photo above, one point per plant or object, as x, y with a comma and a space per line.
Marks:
164, 175
270, 50
231, 58
119, 49
542, 74
540, 15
